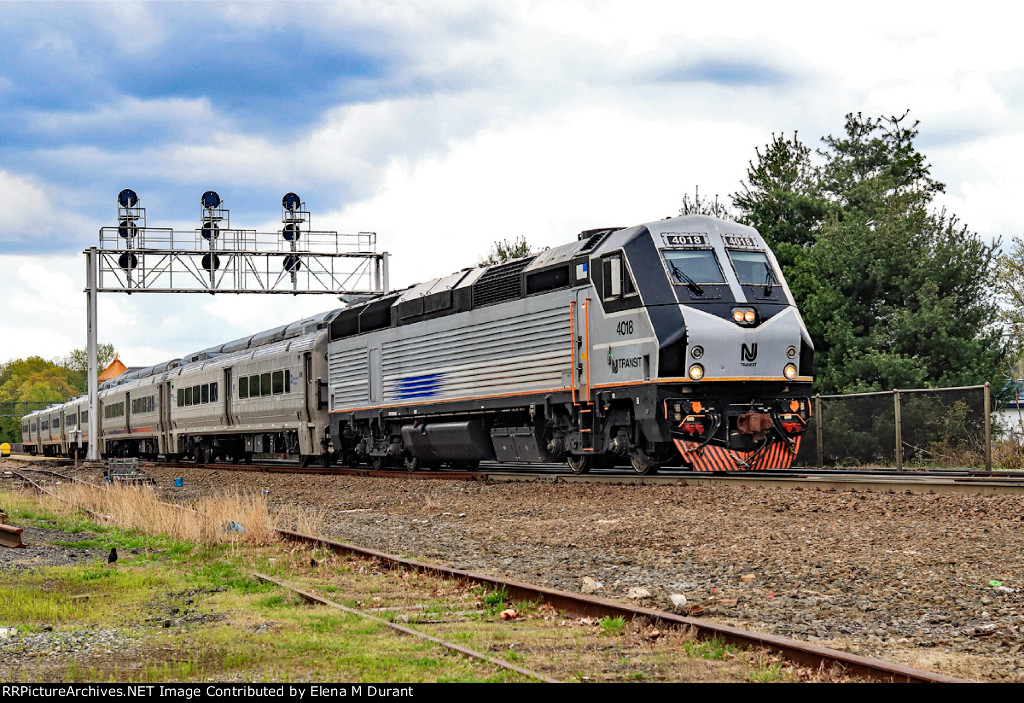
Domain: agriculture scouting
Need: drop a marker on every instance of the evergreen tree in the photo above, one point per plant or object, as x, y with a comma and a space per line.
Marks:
894, 293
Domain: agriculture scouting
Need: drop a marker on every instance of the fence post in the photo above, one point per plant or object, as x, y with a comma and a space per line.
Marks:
899, 429
818, 430
988, 426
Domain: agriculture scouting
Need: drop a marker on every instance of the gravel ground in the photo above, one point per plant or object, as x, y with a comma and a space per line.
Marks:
908, 578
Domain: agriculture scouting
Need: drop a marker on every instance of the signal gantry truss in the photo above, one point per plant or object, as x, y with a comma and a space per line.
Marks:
216, 258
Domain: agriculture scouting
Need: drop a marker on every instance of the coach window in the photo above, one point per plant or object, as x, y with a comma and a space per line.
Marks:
181, 397
243, 387
278, 382
287, 381
254, 386
265, 384
213, 392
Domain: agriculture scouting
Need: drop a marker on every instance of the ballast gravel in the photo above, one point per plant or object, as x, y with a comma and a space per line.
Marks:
934, 581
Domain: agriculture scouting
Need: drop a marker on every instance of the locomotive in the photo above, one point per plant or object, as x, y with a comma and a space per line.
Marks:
675, 342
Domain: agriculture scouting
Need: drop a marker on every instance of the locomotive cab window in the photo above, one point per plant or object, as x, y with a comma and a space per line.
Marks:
616, 281
692, 266
753, 268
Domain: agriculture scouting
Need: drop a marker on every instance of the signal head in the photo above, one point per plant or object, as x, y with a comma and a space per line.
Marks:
210, 200
127, 198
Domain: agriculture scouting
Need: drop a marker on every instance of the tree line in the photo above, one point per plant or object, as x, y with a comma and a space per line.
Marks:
37, 380
895, 291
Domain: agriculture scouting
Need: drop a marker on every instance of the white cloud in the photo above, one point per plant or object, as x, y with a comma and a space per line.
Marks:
32, 216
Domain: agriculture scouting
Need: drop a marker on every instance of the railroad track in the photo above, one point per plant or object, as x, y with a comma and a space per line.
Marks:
797, 651
802, 653
879, 480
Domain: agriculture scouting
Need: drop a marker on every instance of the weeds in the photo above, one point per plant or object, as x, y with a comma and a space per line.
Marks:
612, 626
773, 673
715, 648
493, 601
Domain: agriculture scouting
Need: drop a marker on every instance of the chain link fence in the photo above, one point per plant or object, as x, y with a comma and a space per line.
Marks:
927, 428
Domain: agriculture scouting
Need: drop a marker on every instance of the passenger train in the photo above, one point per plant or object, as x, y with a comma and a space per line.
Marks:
673, 343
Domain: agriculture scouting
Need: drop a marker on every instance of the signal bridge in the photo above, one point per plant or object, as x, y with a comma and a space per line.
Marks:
216, 258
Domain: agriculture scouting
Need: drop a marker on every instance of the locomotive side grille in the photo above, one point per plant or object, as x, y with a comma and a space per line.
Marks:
499, 284
349, 375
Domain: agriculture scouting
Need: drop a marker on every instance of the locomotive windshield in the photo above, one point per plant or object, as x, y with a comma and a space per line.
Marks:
752, 268
692, 266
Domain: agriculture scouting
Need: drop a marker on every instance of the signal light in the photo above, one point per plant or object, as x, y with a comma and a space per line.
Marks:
211, 230
291, 202
789, 372
291, 232
292, 263
128, 261
127, 198
696, 372
211, 263
127, 229
210, 200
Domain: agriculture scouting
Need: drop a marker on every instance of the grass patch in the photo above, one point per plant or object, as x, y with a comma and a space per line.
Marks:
715, 648
612, 626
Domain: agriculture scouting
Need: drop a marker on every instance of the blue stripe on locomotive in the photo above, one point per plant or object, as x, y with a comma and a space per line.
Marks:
419, 386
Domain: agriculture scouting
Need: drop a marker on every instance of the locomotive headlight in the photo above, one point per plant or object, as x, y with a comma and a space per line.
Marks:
744, 316
696, 372
790, 371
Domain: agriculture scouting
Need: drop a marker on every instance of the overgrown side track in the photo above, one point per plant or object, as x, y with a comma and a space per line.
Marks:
799, 652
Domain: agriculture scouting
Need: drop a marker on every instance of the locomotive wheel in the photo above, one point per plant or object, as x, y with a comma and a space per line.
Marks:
412, 463
325, 460
304, 461
378, 462
198, 455
643, 467
579, 464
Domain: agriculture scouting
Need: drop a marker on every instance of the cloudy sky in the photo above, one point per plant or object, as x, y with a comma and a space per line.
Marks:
444, 126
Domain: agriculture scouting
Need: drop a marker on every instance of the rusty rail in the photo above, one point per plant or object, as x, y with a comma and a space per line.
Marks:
10, 536
409, 631
794, 650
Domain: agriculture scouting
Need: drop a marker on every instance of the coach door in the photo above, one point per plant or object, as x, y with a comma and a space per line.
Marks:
128, 413
227, 397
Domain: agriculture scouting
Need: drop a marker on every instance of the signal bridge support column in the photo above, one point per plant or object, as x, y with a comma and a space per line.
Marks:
91, 259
